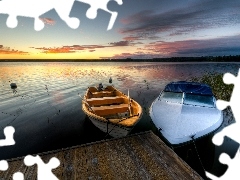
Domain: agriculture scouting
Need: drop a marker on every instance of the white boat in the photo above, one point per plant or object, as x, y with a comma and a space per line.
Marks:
111, 111
185, 111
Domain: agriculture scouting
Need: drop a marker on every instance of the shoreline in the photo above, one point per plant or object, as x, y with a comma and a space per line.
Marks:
171, 59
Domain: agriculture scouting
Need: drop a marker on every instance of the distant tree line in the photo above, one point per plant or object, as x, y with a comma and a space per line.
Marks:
171, 59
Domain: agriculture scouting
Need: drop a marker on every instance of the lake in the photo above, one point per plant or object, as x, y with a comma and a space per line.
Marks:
45, 108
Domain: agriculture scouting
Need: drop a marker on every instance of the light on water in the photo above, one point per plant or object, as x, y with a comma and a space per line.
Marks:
45, 107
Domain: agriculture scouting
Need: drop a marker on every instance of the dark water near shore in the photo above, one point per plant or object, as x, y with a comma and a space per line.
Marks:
45, 109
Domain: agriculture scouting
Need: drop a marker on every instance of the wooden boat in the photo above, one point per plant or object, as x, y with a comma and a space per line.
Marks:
111, 111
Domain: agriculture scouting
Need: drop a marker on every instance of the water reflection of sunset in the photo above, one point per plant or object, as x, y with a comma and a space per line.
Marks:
41, 73
46, 102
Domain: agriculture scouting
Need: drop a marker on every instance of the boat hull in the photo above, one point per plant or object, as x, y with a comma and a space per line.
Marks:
183, 124
113, 130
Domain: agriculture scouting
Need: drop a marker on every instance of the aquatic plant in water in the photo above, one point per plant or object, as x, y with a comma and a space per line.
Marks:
215, 81
220, 90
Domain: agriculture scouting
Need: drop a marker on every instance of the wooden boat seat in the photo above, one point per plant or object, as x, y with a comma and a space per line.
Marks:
105, 101
112, 109
102, 94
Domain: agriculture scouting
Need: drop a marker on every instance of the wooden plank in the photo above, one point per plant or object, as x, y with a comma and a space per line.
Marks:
100, 108
105, 101
139, 156
111, 97
68, 164
102, 94
112, 109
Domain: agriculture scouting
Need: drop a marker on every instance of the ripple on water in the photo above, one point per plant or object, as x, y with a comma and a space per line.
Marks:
48, 108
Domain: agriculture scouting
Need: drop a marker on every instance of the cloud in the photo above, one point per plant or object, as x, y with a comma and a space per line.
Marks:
132, 38
186, 48
120, 43
48, 21
77, 48
119, 56
213, 47
86, 47
8, 50
69, 49
135, 55
56, 50
194, 16
179, 31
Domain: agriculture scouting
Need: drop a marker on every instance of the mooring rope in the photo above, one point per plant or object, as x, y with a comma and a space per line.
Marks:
117, 123
198, 153
108, 132
107, 127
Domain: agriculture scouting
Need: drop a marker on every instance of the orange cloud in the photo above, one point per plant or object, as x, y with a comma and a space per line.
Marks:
90, 48
8, 50
56, 50
48, 21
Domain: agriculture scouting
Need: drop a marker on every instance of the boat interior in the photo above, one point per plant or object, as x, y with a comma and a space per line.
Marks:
109, 103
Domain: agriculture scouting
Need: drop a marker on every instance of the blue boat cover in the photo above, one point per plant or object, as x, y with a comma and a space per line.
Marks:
189, 87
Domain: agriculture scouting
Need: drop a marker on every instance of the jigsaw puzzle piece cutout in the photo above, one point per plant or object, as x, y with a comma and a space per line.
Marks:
221, 104
8, 132
233, 167
114, 5
25, 8
218, 169
34, 9
12, 21
3, 165
18, 176
101, 4
227, 79
235, 98
63, 8
231, 131
44, 170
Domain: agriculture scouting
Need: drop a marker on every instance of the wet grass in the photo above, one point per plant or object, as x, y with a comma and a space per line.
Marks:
215, 81
221, 91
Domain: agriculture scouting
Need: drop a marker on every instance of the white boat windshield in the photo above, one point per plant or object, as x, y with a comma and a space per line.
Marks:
172, 97
188, 99
198, 100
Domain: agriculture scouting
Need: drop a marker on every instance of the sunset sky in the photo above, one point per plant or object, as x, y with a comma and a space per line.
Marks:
143, 29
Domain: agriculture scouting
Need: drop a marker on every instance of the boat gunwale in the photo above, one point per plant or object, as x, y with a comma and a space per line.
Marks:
106, 120
189, 141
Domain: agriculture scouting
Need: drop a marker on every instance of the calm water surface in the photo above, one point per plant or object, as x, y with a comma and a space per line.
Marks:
45, 108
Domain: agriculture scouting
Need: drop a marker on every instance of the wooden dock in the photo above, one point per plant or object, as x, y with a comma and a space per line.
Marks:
139, 156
